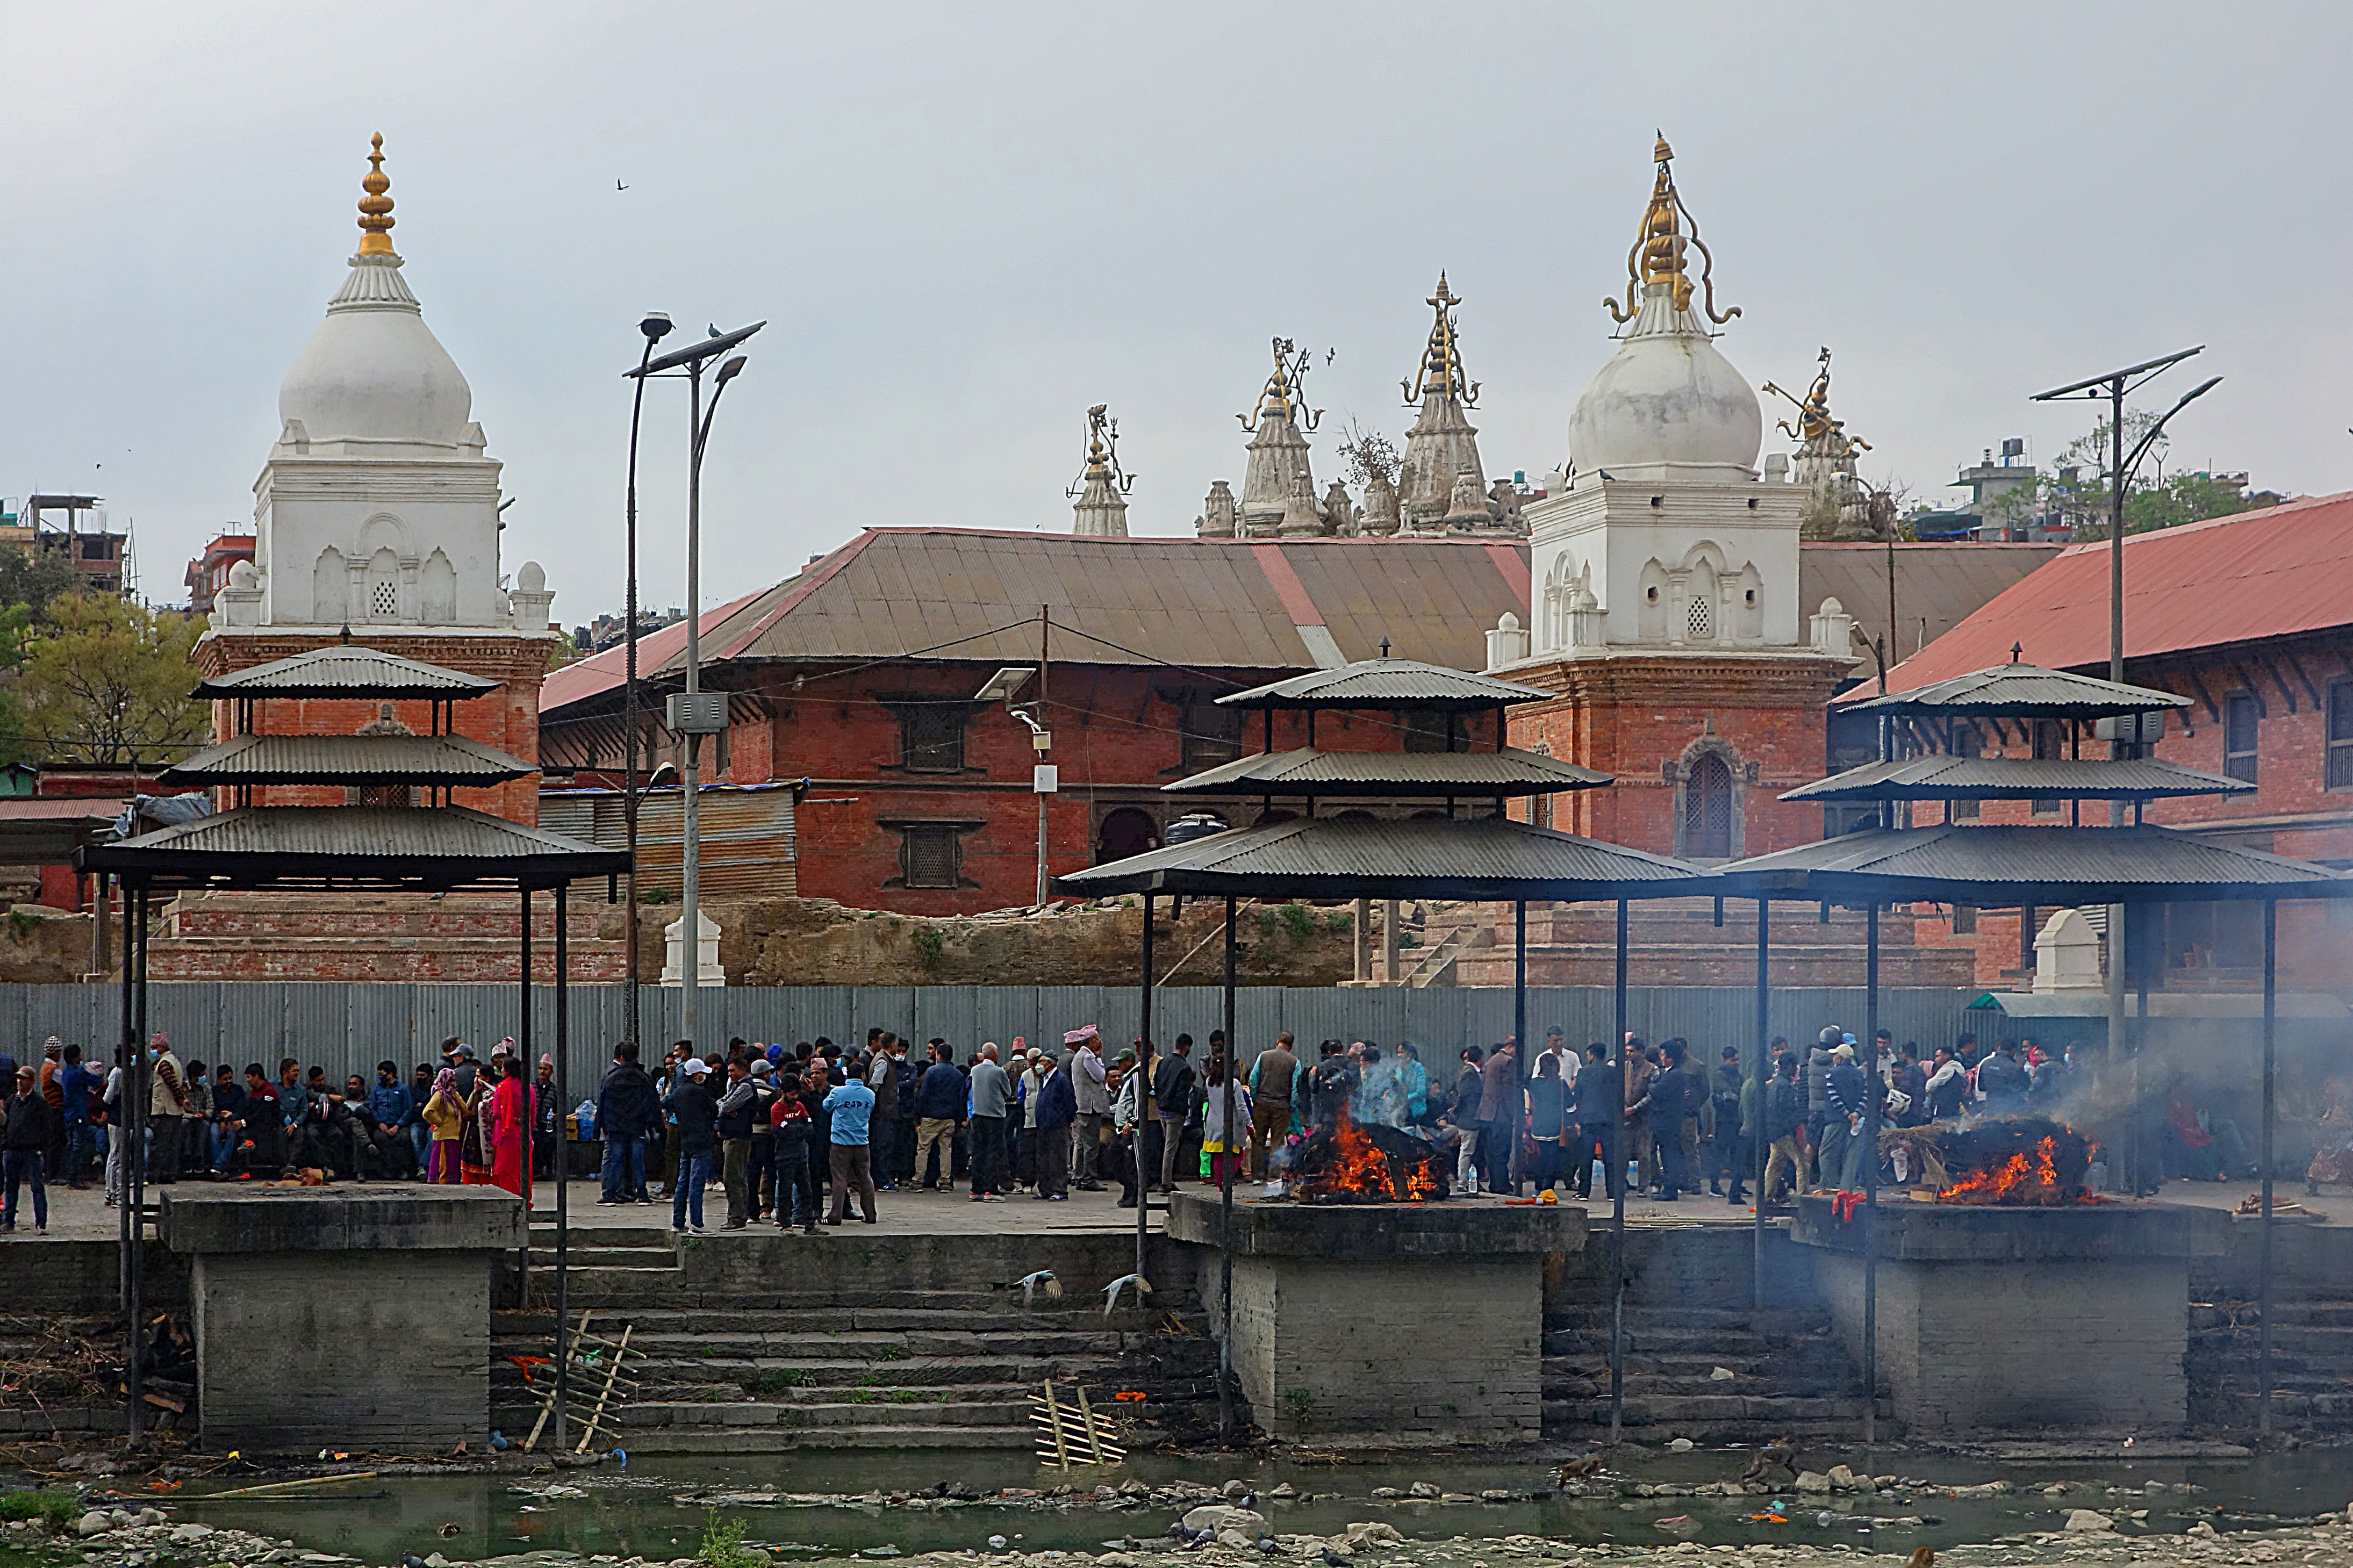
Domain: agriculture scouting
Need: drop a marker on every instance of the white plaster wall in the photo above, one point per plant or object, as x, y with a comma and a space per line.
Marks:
360, 505
1612, 526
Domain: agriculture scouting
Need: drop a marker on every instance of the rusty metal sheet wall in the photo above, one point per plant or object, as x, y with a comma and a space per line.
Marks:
749, 850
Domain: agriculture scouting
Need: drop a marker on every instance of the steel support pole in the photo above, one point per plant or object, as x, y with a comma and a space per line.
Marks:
562, 1157
1226, 1204
1871, 1180
690, 963
1617, 1174
630, 737
134, 1154
1521, 1062
2271, 1105
1759, 1080
530, 1078
1143, 1094
125, 1054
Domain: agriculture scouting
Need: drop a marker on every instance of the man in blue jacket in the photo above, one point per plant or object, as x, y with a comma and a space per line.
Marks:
939, 1113
851, 1108
1057, 1108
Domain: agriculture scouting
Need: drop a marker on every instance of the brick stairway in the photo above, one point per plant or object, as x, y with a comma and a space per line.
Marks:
1791, 1375
823, 1358
1675, 942
2312, 1364
383, 937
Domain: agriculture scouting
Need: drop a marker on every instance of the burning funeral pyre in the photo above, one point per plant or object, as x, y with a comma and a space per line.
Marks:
2008, 1162
1345, 1163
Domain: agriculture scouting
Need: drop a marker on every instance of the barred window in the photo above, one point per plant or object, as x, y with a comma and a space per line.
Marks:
931, 737
2339, 765
2239, 731
930, 855
1707, 810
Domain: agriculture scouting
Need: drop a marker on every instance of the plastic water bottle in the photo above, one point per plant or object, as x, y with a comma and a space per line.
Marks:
1601, 1177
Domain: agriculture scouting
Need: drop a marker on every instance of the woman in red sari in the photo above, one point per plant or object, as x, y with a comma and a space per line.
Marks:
507, 1127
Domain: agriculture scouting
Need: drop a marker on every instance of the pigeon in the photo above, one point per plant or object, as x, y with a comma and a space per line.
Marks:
619, 186
1248, 1501
410, 1560
1334, 1560
1143, 1288
1269, 1545
1042, 1280
714, 331
1178, 1532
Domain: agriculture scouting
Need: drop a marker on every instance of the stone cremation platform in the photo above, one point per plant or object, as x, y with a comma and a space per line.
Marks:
346, 1318
1335, 1304
2021, 1318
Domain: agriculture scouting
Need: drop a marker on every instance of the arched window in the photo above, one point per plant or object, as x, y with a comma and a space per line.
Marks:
1125, 832
1707, 810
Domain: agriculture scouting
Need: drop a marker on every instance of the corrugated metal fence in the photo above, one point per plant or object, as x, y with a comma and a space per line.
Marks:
349, 1028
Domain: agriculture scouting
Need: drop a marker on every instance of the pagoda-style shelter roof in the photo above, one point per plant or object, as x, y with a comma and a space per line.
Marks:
2017, 690
1944, 777
349, 760
1385, 683
348, 669
1384, 774
415, 848
1996, 865
1487, 857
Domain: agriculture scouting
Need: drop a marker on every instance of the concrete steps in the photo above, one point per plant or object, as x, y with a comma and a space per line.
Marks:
1790, 1375
2312, 1364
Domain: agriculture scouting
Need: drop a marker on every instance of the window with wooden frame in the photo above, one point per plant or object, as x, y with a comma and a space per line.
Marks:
2241, 714
931, 734
930, 855
1210, 736
1707, 810
2337, 768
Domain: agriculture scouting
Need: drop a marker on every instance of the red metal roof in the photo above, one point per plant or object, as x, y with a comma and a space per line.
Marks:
604, 671
2270, 573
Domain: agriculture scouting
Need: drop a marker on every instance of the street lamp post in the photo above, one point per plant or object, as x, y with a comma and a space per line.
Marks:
656, 326
2113, 386
695, 714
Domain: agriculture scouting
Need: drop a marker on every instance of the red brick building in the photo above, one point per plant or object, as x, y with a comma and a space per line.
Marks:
859, 675
2251, 617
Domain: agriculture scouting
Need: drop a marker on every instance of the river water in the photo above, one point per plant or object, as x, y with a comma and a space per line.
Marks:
658, 1508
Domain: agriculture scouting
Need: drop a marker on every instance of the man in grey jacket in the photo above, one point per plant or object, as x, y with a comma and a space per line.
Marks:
1088, 1082
992, 1095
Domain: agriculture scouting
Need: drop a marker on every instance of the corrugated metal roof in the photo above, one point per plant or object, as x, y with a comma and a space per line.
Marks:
349, 759
444, 845
1509, 773
1996, 865
1483, 857
2018, 778
1371, 682
2275, 573
746, 832
2016, 690
347, 669
1940, 585
1205, 604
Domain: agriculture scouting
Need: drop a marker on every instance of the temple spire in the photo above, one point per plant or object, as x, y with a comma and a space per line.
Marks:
1440, 373
1660, 252
376, 207
1101, 487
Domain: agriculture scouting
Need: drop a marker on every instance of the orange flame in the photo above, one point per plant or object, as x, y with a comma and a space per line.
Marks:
2022, 1181
1359, 1166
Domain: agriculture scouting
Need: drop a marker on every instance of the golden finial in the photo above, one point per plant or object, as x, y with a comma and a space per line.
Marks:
1814, 422
1441, 362
376, 207
1659, 252
1275, 401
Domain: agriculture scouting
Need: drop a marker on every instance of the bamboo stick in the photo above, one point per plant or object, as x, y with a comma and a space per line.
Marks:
613, 1375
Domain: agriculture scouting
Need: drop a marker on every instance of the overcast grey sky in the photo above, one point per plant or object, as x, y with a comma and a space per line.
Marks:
966, 223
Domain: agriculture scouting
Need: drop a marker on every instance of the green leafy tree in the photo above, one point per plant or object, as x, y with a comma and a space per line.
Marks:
2077, 488
107, 679
33, 579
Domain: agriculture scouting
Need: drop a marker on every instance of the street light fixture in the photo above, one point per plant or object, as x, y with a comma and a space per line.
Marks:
656, 326
695, 714
1045, 779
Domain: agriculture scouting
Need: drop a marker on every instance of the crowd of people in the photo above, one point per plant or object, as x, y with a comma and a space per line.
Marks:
802, 1136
